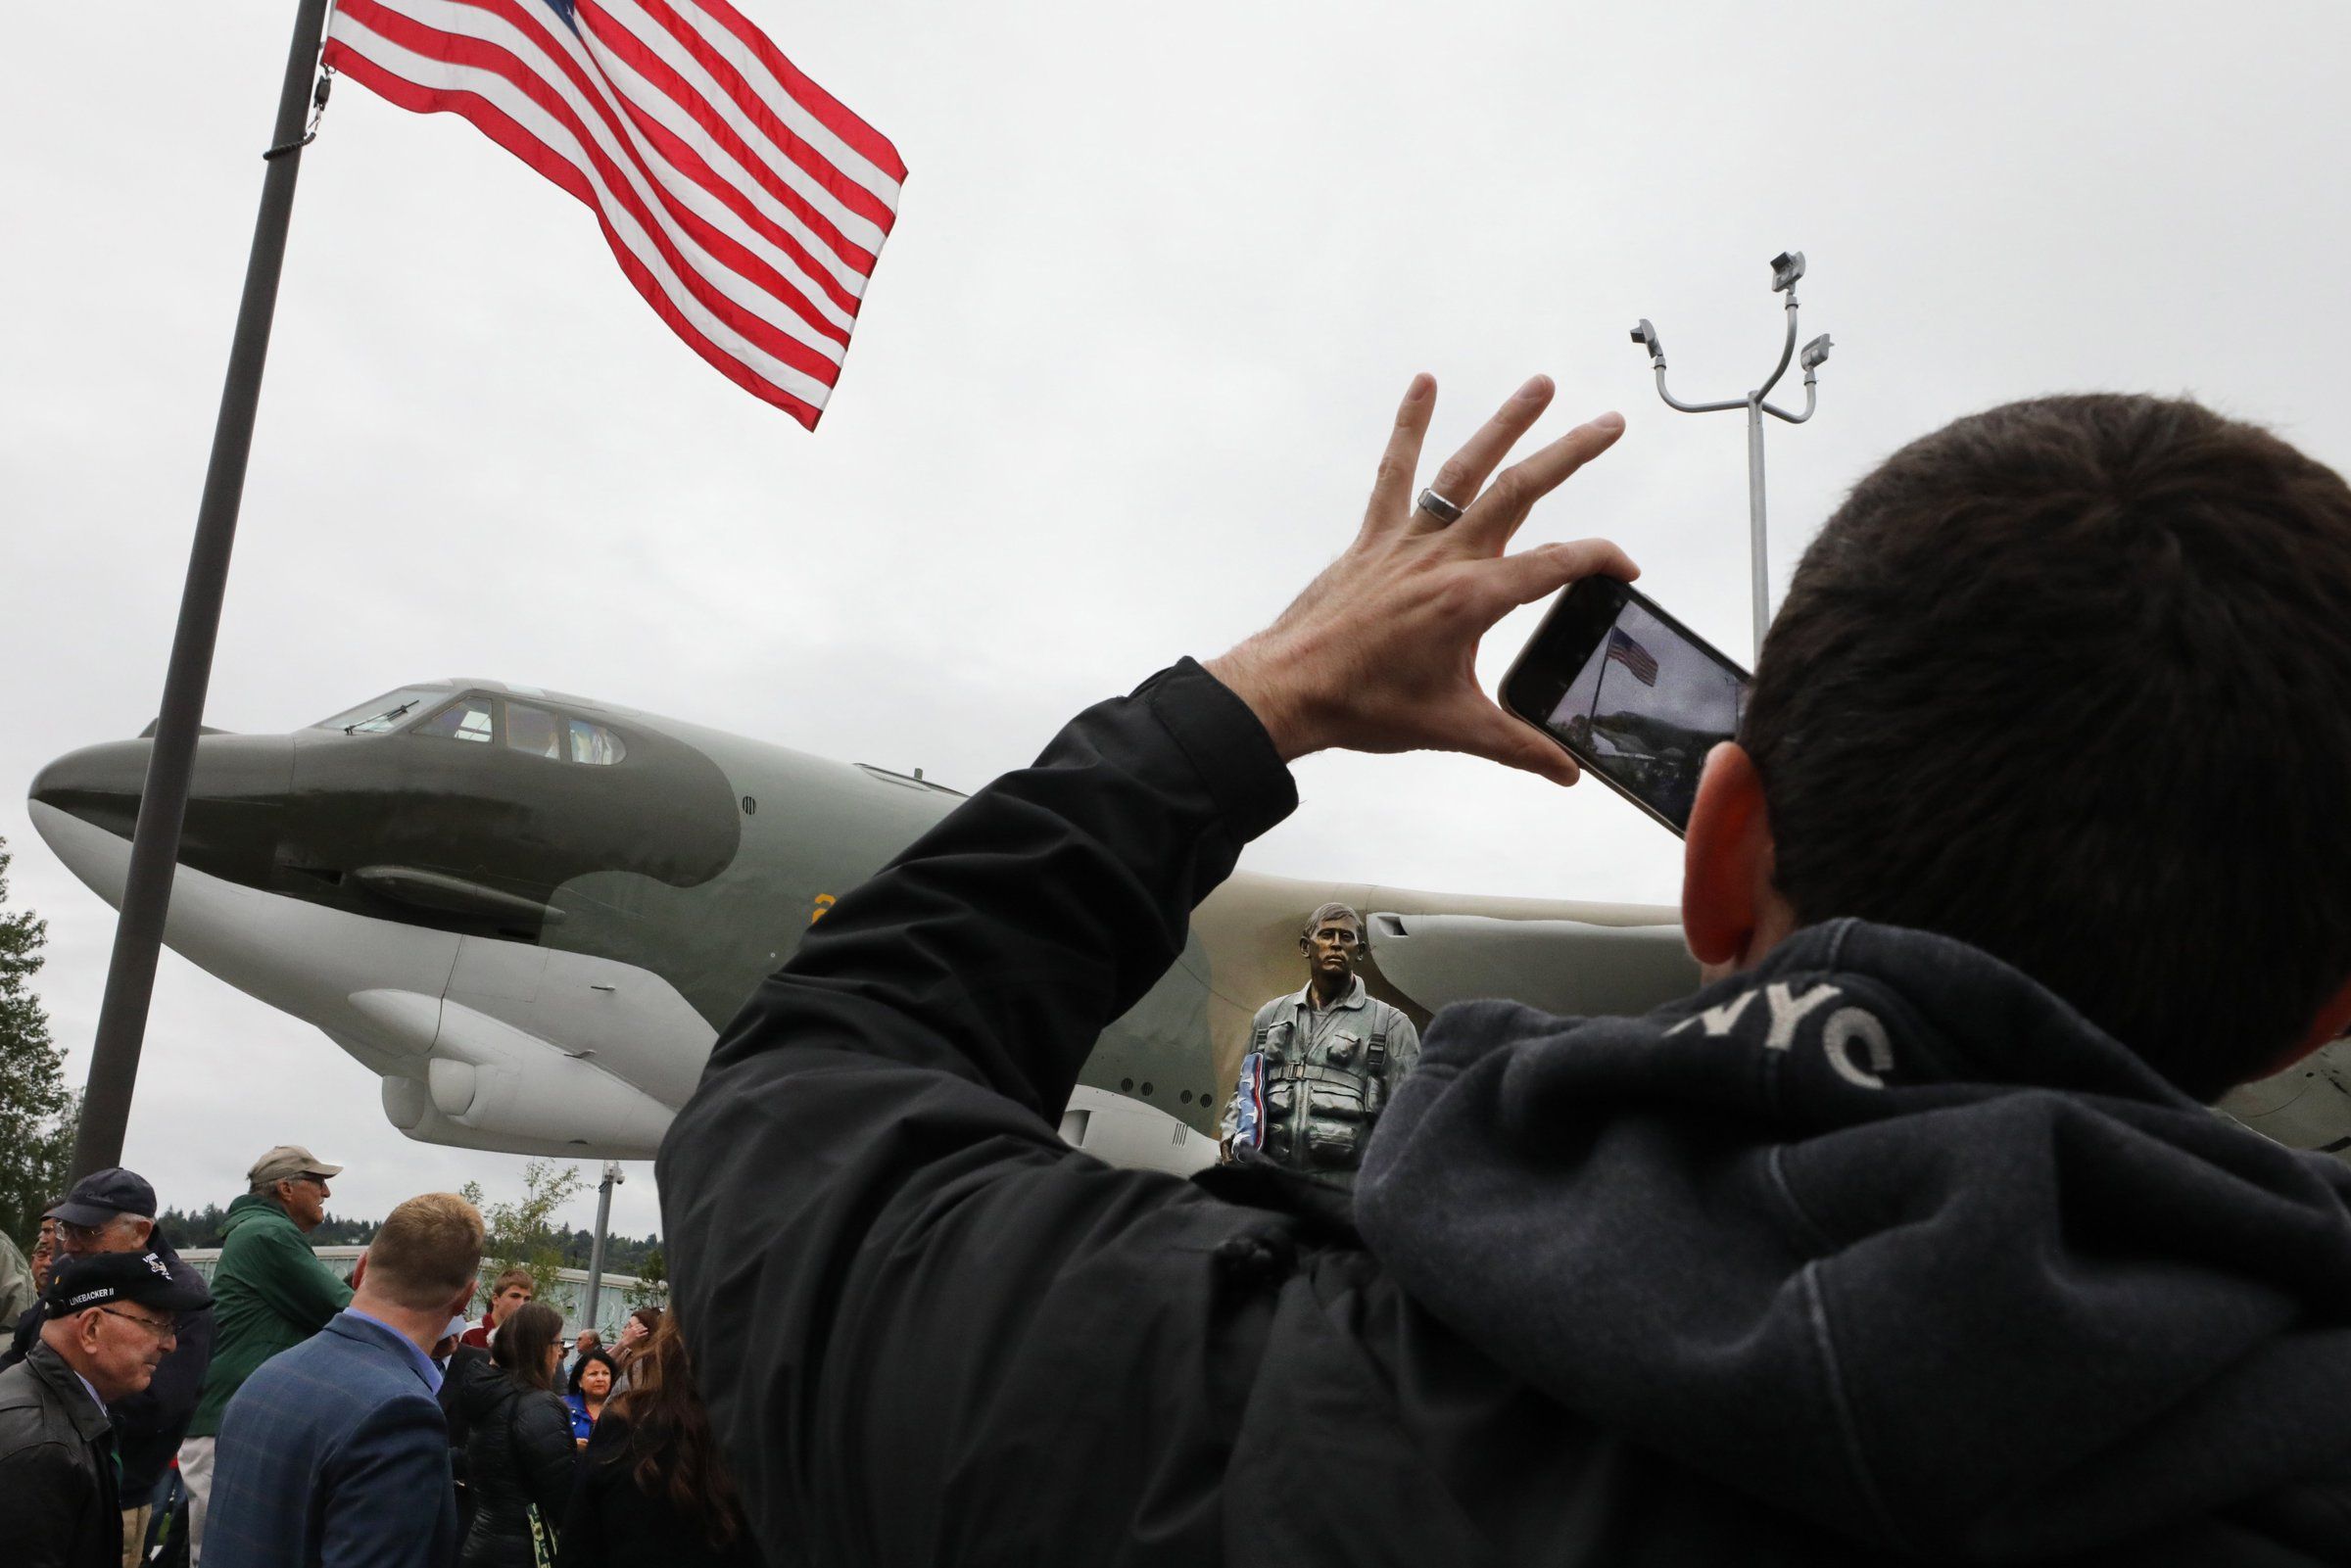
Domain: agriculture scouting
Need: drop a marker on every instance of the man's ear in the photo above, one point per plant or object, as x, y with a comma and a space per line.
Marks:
1731, 913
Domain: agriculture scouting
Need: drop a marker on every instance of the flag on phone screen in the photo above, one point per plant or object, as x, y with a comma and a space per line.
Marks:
1623, 651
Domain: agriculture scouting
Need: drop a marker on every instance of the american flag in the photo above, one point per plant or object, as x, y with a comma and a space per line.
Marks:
742, 201
1623, 651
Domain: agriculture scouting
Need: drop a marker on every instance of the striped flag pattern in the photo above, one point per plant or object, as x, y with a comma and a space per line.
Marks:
1623, 651
745, 203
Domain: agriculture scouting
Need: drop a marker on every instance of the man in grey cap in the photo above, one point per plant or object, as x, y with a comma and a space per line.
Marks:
271, 1293
113, 1211
109, 1320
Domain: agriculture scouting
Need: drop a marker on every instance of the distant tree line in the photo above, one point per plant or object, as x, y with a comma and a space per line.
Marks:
623, 1254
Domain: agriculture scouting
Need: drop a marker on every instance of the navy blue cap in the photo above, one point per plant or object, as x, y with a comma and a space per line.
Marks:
102, 1195
77, 1284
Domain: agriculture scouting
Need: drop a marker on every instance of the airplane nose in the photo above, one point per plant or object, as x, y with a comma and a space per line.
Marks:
236, 797
100, 784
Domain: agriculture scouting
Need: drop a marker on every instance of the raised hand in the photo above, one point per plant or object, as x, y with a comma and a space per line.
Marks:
1379, 653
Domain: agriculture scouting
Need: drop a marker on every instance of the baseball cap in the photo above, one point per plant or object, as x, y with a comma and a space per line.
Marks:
289, 1160
102, 1195
77, 1284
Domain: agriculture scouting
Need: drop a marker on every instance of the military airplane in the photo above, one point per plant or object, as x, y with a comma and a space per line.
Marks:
529, 914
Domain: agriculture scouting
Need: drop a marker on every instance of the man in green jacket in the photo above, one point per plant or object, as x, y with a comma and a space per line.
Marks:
269, 1294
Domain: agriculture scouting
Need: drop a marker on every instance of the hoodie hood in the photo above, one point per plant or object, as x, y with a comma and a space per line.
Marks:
246, 1210
1886, 1234
482, 1386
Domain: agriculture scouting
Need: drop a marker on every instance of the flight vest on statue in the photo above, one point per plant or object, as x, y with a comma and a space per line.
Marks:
1321, 1099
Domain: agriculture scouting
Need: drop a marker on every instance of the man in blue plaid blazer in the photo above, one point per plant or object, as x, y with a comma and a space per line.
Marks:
335, 1454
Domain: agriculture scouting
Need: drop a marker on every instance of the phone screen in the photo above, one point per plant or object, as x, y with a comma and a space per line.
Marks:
1633, 693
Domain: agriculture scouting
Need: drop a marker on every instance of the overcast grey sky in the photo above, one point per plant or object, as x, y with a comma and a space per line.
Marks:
1126, 364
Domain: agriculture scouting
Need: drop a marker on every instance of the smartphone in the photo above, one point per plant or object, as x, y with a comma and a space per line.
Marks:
1632, 694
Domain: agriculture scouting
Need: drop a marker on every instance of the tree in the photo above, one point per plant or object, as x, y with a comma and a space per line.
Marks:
523, 1235
38, 1115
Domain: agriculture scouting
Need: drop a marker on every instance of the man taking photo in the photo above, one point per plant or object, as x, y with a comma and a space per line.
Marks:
1910, 1236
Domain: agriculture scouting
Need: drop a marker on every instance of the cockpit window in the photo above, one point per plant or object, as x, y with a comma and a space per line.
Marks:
384, 713
467, 719
593, 744
534, 730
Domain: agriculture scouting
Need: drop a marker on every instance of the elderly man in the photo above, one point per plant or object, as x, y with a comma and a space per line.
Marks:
44, 1252
272, 1293
588, 1340
335, 1453
107, 1320
113, 1211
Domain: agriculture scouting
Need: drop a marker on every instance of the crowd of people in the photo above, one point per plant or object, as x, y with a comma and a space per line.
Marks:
296, 1418
1910, 1236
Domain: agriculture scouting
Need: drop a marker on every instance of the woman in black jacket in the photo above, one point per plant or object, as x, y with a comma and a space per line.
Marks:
652, 1490
518, 1452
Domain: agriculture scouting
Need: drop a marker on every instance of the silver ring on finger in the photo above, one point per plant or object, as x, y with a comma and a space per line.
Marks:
1437, 506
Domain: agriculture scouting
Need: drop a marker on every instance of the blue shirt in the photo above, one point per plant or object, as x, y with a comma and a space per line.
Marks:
416, 1357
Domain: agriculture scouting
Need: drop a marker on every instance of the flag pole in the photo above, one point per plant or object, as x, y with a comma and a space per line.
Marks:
163, 803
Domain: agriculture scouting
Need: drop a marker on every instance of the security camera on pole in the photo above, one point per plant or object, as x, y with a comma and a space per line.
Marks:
1786, 269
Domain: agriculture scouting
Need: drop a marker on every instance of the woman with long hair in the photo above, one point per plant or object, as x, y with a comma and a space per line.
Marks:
592, 1379
518, 1451
653, 1490
635, 1331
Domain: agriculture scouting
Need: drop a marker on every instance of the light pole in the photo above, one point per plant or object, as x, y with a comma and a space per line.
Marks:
1786, 269
595, 1248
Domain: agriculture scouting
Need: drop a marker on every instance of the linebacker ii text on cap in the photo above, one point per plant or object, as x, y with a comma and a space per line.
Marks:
77, 1284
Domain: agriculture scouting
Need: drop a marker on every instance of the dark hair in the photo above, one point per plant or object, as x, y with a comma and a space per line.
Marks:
2069, 681
586, 1359
650, 1317
521, 1343
671, 1450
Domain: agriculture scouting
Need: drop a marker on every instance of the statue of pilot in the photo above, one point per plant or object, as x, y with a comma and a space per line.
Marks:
1321, 1061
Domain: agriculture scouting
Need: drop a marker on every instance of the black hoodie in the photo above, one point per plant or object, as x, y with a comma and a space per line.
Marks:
1886, 1233
1876, 1252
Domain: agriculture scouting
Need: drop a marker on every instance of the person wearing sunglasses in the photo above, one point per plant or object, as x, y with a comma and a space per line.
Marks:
273, 1294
